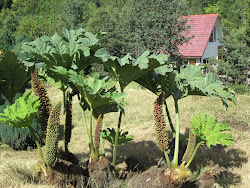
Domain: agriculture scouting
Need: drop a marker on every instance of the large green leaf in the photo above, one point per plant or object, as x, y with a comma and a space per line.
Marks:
208, 85
95, 91
53, 78
92, 89
209, 131
13, 75
22, 112
190, 81
211, 86
127, 69
158, 80
71, 50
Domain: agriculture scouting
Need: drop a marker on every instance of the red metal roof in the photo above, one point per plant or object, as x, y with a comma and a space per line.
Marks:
201, 29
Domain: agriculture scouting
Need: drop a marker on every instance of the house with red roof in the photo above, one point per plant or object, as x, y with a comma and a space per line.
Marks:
206, 31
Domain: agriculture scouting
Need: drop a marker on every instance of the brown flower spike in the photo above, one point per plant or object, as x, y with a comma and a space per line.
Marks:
190, 147
45, 107
98, 131
52, 137
160, 125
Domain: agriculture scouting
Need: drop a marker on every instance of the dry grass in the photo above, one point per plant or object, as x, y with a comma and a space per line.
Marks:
230, 164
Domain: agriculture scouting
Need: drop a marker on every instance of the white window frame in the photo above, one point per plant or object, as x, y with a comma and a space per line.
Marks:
213, 35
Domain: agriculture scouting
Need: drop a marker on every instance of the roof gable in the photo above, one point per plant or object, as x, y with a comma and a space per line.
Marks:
201, 29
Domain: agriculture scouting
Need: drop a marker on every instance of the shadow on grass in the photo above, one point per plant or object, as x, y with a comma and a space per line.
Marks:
220, 160
146, 152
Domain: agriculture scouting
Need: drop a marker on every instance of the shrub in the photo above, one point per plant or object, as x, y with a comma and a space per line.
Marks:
239, 88
17, 138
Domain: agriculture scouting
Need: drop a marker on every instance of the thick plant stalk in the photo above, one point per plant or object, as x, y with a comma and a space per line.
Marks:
116, 138
169, 118
160, 126
64, 100
85, 126
177, 135
190, 148
36, 139
117, 132
97, 133
92, 149
52, 137
68, 121
167, 158
45, 107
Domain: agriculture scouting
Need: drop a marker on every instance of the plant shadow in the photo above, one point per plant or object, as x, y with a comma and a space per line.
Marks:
82, 157
220, 160
146, 152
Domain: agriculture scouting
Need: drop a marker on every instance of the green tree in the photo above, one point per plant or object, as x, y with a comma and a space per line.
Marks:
134, 26
5, 4
198, 6
233, 14
159, 26
235, 23
236, 56
111, 18
24, 7
6, 39
58, 14
73, 9
8, 19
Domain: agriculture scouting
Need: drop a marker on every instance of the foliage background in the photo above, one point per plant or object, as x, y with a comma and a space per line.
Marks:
129, 25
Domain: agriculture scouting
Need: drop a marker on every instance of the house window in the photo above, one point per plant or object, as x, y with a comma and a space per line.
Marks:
192, 61
213, 35
206, 67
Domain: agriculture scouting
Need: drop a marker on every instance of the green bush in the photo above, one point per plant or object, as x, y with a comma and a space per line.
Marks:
17, 138
239, 88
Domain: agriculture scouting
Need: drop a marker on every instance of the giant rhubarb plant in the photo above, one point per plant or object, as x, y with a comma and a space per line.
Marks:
160, 126
97, 100
97, 97
52, 136
127, 69
205, 130
73, 51
190, 81
123, 70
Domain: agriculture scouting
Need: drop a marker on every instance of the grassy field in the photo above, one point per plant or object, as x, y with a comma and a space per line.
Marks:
231, 165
